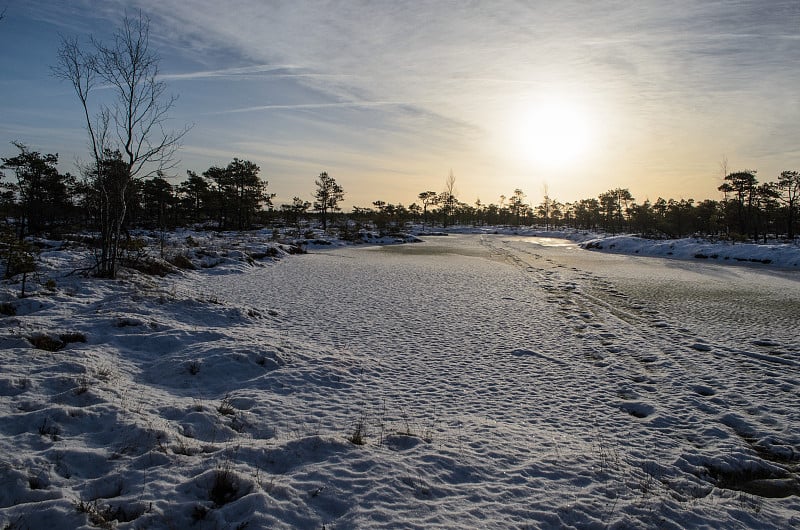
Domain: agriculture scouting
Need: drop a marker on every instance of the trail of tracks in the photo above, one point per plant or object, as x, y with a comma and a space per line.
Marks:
537, 373
691, 383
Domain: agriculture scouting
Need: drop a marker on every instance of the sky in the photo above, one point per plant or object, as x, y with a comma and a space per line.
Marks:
389, 97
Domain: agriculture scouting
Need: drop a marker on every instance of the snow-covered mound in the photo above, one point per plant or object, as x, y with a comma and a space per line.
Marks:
776, 255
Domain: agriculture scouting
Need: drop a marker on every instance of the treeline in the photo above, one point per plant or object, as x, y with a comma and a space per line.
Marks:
36, 200
747, 210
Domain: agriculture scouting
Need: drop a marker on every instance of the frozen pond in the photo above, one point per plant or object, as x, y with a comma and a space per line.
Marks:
551, 385
470, 381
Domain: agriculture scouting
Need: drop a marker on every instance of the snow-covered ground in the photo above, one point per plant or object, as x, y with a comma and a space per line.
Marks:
784, 255
473, 380
774, 255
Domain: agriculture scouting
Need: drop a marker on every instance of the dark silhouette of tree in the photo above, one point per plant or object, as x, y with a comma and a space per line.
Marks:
126, 129
643, 218
293, 213
158, 202
517, 206
447, 198
707, 217
679, 219
19, 256
544, 208
614, 204
415, 211
587, 214
764, 209
608, 204
327, 197
239, 194
43, 193
428, 198
107, 200
742, 185
788, 187
195, 198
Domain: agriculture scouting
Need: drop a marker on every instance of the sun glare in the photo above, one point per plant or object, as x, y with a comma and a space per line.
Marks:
553, 133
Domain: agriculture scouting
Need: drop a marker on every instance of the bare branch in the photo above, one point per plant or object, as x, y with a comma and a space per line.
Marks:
128, 136
78, 68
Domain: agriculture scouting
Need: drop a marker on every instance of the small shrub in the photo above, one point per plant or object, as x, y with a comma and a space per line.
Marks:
7, 309
104, 516
133, 245
39, 480
182, 261
151, 266
358, 436
81, 387
193, 367
239, 424
126, 322
225, 407
182, 448
72, 336
40, 341
269, 252
295, 249
46, 342
104, 373
50, 284
47, 428
224, 488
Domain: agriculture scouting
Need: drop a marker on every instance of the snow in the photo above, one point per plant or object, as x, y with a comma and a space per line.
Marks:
490, 380
785, 256
774, 255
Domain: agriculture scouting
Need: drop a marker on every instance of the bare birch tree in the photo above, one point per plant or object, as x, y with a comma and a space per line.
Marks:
447, 198
127, 133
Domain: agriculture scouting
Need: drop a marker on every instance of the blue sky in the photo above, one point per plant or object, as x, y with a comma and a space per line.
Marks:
389, 96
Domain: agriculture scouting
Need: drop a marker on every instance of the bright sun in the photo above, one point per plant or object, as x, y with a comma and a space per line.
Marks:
553, 133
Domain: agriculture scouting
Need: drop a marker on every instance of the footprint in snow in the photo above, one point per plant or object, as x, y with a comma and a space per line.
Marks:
637, 409
402, 441
704, 390
765, 343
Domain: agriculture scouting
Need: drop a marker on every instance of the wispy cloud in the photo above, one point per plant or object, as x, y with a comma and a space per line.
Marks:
441, 75
250, 72
225, 72
310, 106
